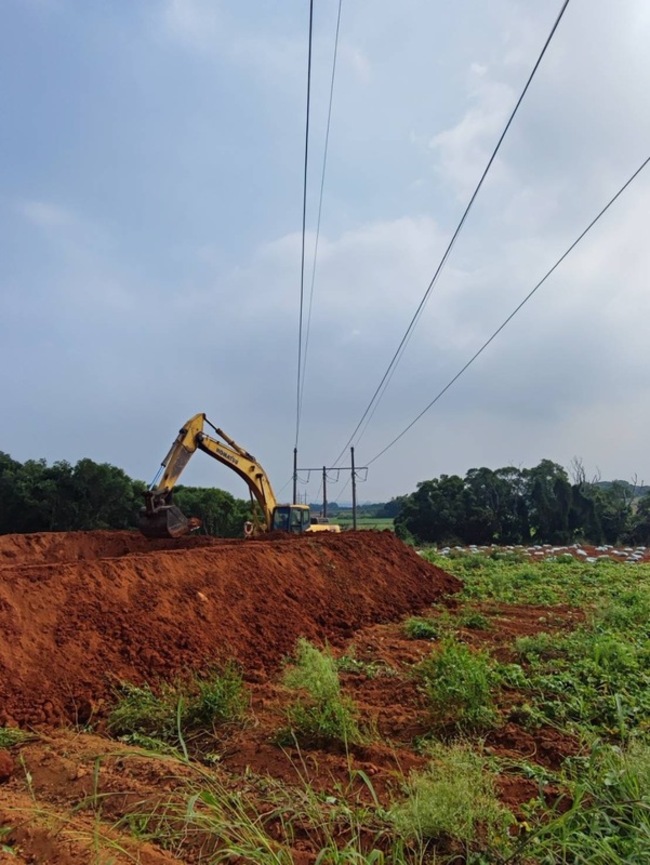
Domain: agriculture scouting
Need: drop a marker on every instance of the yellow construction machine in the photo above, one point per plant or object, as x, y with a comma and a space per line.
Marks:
161, 518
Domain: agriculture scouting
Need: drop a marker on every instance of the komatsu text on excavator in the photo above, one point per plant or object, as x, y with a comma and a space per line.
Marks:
161, 518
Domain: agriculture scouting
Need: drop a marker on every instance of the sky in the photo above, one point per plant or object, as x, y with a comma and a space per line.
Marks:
151, 183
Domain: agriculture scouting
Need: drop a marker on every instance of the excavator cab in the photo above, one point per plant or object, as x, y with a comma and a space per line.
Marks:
291, 518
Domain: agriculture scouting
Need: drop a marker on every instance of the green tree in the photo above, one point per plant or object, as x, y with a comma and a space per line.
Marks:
485, 496
615, 505
221, 514
513, 506
389, 510
549, 502
35, 497
104, 496
435, 512
9, 496
640, 522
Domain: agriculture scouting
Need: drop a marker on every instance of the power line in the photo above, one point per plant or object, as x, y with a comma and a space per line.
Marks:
304, 222
320, 201
513, 313
383, 384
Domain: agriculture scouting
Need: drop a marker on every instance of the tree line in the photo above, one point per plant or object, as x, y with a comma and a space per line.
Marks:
521, 506
504, 506
37, 497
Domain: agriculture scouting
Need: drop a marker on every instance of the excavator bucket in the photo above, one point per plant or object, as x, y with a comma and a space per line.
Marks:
167, 521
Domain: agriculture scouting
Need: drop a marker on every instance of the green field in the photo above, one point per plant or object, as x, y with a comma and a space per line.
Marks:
364, 522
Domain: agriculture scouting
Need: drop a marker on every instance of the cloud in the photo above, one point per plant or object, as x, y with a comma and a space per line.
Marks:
463, 150
151, 261
194, 23
45, 214
358, 61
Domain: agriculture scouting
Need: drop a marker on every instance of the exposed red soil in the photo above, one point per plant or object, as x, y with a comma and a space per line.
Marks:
47, 548
81, 612
548, 747
508, 622
86, 611
7, 766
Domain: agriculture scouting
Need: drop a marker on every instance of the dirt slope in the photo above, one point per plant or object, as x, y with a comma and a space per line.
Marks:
81, 612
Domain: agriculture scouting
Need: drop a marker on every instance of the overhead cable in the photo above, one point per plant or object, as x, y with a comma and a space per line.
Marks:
512, 314
320, 201
383, 384
304, 222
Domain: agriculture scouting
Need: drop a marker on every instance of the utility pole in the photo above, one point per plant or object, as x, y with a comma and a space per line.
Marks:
354, 490
295, 476
352, 468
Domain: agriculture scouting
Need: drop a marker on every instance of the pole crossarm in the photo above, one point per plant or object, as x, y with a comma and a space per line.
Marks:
334, 469
354, 470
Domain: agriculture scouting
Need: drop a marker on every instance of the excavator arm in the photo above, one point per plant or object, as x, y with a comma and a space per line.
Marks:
161, 518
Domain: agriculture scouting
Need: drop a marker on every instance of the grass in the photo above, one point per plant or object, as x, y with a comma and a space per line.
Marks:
458, 685
454, 798
607, 821
320, 713
376, 523
503, 577
10, 736
175, 711
261, 820
349, 663
419, 628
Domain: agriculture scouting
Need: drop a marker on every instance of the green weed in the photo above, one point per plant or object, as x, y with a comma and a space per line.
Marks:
454, 798
474, 621
608, 818
458, 684
504, 577
539, 646
417, 628
185, 707
348, 663
321, 713
596, 681
10, 736
220, 699
5, 835
142, 712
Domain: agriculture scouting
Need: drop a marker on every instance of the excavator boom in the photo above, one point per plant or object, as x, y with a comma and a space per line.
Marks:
161, 518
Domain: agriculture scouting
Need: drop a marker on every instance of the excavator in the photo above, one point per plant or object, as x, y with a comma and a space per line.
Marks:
161, 518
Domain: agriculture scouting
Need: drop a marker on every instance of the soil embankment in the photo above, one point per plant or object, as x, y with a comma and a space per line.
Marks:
82, 612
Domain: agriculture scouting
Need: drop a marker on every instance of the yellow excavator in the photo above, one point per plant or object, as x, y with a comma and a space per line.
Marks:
161, 518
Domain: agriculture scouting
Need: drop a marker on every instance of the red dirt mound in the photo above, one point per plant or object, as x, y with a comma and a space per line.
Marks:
45, 548
81, 612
